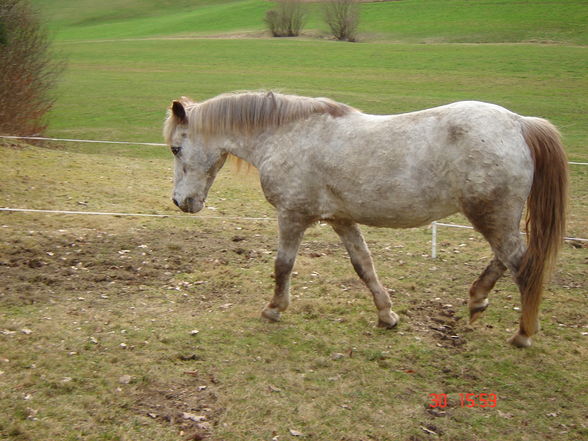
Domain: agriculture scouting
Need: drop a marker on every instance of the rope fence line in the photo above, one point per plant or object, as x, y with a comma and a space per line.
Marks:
89, 141
152, 144
434, 225
101, 213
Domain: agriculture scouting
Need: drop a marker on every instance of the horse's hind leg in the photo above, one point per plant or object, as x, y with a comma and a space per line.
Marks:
501, 230
291, 233
511, 251
362, 262
482, 286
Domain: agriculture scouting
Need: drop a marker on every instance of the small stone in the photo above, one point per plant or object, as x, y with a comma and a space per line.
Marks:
205, 426
192, 417
125, 379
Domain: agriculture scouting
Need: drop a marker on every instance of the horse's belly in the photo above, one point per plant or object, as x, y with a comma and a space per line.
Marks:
393, 212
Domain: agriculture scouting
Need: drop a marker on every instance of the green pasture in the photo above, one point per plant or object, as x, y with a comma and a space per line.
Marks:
134, 81
97, 313
497, 21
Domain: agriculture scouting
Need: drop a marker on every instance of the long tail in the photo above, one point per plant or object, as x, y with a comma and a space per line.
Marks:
546, 215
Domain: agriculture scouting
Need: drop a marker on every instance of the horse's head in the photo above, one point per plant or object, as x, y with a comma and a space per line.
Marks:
196, 164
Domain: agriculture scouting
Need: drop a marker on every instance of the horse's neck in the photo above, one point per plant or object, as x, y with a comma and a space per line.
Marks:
257, 148
251, 149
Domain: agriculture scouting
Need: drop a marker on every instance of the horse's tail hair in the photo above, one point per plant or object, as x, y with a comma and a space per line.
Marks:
546, 215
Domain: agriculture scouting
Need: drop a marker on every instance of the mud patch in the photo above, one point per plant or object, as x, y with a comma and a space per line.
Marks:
190, 405
42, 266
439, 320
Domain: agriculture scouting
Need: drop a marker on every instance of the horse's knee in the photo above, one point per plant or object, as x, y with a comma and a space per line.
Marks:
283, 267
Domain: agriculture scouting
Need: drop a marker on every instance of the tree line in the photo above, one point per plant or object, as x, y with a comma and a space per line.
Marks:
288, 17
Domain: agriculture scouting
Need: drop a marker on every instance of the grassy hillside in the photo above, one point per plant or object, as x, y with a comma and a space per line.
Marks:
478, 21
135, 21
133, 81
405, 20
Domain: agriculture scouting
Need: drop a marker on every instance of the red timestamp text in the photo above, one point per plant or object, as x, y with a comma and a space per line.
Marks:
465, 400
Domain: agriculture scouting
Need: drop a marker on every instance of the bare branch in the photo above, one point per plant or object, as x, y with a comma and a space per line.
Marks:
342, 16
28, 70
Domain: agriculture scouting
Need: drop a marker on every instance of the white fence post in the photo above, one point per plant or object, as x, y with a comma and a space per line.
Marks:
434, 240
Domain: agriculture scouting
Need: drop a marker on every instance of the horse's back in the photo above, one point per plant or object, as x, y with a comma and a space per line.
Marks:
409, 169
488, 150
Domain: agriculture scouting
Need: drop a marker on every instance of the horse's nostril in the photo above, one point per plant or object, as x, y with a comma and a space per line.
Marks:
175, 202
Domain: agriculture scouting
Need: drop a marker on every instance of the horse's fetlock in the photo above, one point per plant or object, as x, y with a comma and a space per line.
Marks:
387, 319
270, 313
477, 307
520, 341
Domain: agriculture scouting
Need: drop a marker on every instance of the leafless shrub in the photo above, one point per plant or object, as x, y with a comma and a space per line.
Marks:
28, 70
287, 19
342, 16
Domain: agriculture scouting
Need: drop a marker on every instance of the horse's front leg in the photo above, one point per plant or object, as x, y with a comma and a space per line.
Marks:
362, 262
291, 233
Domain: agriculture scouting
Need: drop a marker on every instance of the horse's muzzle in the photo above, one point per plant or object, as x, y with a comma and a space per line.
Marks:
189, 205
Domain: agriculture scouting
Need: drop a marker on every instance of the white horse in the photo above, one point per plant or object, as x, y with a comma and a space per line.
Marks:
320, 160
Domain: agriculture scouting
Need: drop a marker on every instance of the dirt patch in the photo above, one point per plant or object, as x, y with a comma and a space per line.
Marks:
189, 405
42, 266
438, 319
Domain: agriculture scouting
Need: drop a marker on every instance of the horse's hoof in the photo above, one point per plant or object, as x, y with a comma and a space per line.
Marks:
476, 311
520, 341
271, 314
389, 321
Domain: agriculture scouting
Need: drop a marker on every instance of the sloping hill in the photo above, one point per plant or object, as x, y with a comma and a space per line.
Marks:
420, 21
152, 18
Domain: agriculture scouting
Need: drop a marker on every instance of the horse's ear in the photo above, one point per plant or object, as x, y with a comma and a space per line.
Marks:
179, 111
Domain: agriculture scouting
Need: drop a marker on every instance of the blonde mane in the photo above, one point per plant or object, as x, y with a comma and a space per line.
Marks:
248, 112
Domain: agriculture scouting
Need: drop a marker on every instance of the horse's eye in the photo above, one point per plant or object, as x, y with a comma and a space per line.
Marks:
175, 150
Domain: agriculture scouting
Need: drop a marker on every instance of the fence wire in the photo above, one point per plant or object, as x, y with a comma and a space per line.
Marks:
434, 225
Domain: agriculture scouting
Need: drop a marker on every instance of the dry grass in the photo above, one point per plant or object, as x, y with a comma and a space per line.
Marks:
97, 316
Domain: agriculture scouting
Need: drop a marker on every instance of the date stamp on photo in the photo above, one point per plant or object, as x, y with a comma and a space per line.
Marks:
481, 400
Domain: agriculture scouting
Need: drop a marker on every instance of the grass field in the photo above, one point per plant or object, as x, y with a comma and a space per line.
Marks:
497, 21
97, 313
